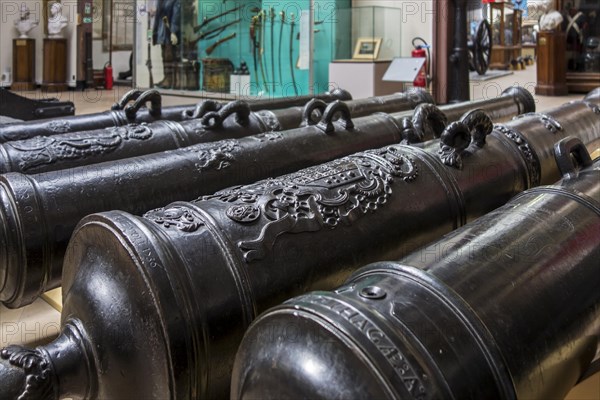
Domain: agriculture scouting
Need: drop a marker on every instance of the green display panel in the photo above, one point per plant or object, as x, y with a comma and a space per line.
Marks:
268, 36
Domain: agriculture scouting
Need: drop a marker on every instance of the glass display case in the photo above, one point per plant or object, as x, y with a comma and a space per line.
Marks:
239, 48
505, 21
361, 58
529, 33
581, 25
369, 24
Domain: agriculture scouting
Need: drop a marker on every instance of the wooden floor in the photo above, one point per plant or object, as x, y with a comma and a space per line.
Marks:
40, 322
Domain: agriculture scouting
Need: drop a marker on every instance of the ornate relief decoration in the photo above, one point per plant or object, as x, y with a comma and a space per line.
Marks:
269, 119
267, 137
214, 155
38, 381
550, 123
43, 150
533, 164
325, 196
178, 217
59, 126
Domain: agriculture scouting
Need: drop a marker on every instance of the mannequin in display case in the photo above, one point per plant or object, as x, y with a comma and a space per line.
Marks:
167, 33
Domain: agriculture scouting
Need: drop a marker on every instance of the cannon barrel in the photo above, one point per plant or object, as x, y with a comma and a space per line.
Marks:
70, 150
593, 96
169, 295
40, 211
213, 122
132, 109
506, 307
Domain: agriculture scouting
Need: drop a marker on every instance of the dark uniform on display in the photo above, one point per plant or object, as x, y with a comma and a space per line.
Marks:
167, 33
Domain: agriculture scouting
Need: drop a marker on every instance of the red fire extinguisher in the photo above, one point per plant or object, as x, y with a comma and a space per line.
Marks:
421, 51
108, 76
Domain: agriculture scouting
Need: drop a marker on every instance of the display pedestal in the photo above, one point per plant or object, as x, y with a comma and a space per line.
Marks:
55, 65
23, 64
363, 78
551, 64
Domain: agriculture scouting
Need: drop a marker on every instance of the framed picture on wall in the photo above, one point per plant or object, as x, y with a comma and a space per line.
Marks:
367, 49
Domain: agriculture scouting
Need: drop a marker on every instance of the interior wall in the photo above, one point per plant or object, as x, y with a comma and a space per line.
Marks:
416, 19
120, 59
10, 11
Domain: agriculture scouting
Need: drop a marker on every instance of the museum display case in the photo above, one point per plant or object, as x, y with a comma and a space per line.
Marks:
374, 40
506, 21
239, 48
581, 26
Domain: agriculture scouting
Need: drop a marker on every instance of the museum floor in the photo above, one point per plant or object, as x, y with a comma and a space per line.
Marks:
40, 322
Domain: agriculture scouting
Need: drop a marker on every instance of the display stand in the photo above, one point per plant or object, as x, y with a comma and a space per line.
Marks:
23, 64
551, 68
55, 65
363, 78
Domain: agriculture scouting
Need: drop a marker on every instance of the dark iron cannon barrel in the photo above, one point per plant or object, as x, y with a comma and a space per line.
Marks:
138, 106
170, 295
41, 210
51, 153
210, 122
507, 307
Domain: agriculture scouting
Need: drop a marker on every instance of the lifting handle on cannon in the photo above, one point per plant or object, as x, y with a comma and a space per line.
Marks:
215, 119
309, 110
152, 96
571, 155
326, 124
128, 97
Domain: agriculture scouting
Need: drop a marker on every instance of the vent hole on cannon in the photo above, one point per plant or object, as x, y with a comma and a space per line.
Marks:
372, 293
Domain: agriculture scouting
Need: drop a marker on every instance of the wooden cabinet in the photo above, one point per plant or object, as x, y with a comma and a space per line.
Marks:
23, 64
551, 75
55, 65
506, 34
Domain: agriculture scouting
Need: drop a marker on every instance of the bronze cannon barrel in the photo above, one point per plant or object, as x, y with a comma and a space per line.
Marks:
234, 120
169, 295
132, 109
507, 307
40, 211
